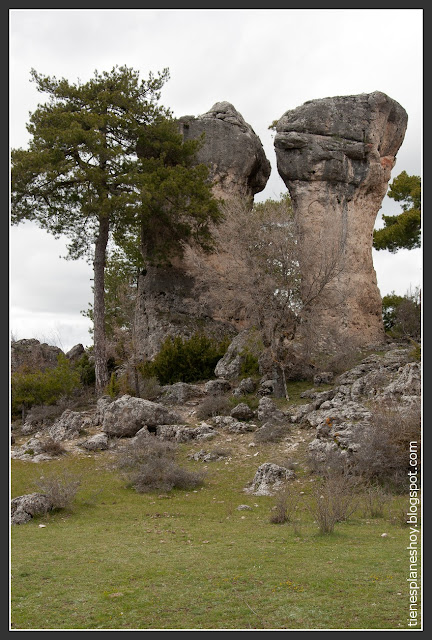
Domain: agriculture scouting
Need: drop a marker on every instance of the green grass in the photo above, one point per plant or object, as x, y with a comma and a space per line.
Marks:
191, 560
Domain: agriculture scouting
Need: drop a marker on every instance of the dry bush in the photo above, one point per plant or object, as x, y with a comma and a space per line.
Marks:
52, 447
285, 508
149, 464
60, 488
383, 452
213, 406
149, 388
375, 498
334, 500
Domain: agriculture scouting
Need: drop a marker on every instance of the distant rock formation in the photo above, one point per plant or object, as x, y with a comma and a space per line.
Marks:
192, 294
34, 355
31, 353
335, 156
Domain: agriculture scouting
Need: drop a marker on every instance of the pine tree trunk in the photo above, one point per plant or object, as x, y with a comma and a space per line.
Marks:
101, 369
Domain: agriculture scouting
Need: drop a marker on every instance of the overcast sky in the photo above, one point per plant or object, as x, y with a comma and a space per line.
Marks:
262, 61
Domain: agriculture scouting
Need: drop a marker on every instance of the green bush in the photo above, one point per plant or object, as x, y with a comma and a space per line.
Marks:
185, 360
43, 387
86, 370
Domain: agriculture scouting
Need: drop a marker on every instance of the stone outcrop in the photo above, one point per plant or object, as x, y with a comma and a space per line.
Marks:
30, 353
344, 415
335, 156
193, 294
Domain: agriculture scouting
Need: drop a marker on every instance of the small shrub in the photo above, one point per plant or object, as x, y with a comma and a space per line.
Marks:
375, 499
333, 500
285, 508
113, 387
60, 488
251, 400
86, 370
150, 464
383, 452
185, 360
249, 365
213, 406
52, 447
149, 388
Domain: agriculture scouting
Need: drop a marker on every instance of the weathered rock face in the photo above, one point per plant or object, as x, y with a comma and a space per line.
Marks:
335, 156
31, 353
192, 294
231, 150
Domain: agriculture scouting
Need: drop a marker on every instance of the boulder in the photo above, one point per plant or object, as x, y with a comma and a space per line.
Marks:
242, 412
247, 385
267, 410
180, 392
70, 425
181, 433
98, 442
268, 479
23, 508
127, 415
230, 365
217, 387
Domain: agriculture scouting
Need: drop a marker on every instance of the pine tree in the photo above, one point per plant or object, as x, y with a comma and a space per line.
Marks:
98, 157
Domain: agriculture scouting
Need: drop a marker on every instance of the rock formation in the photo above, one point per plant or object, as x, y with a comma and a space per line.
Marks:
192, 294
30, 353
335, 156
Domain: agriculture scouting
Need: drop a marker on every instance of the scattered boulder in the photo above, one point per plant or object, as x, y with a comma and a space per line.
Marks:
180, 392
247, 385
127, 415
98, 442
70, 425
217, 387
267, 410
181, 433
242, 412
269, 478
204, 456
23, 508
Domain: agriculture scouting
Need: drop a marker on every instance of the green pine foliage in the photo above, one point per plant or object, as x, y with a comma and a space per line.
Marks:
402, 315
402, 231
185, 360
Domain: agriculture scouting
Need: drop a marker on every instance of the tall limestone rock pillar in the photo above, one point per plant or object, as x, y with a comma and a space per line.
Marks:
335, 156
192, 294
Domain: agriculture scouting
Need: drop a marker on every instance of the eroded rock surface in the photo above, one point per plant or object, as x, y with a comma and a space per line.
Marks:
193, 294
335, 156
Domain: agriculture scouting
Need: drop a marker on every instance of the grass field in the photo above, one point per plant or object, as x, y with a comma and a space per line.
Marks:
191, 560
